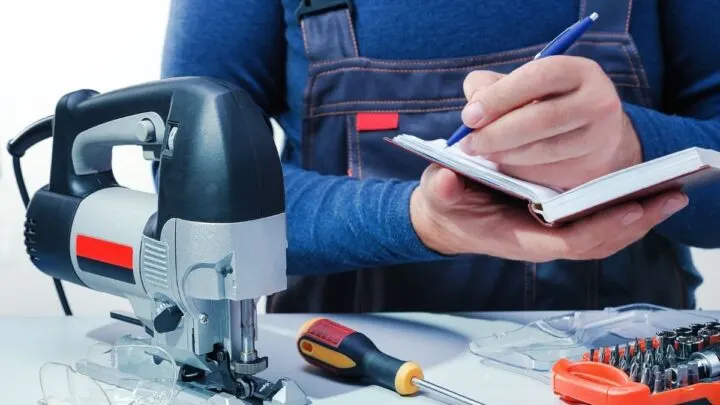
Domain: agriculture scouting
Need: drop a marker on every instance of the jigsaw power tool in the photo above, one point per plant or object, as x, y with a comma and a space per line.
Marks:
192, 259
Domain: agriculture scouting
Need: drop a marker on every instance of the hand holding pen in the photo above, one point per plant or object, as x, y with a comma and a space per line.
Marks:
555, 121
557, 46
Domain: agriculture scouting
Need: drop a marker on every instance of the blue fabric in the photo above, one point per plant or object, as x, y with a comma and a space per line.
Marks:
339, 223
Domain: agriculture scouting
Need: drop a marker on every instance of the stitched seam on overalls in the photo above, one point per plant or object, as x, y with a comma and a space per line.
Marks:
627, 18
643, 96
352, 33
402, 71
450, 61
356, 138
634, 51
348, 145
416, 101
632, 65
410, 111
305, 38
316, 77
606, 34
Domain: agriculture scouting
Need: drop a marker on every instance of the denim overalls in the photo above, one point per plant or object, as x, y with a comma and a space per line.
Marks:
427, 96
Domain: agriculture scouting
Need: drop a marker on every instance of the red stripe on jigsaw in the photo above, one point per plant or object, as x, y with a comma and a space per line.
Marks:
104, 251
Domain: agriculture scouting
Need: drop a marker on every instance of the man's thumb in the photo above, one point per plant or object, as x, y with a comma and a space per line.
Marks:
446, 187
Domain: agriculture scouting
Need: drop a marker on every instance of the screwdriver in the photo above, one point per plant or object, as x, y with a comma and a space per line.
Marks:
352, 355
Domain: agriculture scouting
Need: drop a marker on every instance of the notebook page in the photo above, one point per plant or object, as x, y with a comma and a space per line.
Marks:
474, 166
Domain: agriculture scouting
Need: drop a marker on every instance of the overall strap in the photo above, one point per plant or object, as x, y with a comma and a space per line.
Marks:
614, 15
327, 29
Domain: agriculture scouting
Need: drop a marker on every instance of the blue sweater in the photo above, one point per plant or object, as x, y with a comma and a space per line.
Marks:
339, 223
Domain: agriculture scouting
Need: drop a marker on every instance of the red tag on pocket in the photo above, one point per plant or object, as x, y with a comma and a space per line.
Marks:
376, 121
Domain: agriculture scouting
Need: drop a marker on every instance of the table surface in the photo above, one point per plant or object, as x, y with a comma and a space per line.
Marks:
439, 342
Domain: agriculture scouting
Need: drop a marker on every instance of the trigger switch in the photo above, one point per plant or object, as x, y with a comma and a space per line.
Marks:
168, 319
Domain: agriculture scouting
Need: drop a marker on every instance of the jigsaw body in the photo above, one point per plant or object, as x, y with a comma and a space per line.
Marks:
193, 259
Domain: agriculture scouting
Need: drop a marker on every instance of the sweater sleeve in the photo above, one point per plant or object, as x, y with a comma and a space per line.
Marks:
691, 114
334, 223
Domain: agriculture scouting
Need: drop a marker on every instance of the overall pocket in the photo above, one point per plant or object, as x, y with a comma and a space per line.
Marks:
371, 156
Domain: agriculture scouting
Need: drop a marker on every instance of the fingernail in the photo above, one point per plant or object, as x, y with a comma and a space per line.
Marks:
473, 113
673, 205
632, 216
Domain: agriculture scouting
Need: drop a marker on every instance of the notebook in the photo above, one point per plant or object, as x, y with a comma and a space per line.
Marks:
681, 170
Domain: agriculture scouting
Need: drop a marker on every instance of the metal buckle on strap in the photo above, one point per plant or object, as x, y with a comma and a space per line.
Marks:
308, 7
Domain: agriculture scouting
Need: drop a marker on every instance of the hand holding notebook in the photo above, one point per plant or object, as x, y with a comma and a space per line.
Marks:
681, 170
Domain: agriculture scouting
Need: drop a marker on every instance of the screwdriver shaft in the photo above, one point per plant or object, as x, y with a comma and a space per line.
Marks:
453, 397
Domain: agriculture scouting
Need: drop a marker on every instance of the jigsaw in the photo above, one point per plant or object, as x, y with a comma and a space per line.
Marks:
193, 258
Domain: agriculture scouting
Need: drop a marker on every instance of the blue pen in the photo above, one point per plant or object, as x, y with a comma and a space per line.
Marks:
557, 46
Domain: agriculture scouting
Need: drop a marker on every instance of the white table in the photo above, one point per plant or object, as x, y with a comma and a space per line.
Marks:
438, 342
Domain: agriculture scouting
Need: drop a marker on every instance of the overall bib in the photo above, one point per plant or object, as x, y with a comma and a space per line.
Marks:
426, 97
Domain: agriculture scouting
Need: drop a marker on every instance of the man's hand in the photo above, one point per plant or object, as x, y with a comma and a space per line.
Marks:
556, 121
559, 122
452, 216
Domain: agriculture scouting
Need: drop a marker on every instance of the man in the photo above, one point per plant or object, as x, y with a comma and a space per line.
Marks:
371, 228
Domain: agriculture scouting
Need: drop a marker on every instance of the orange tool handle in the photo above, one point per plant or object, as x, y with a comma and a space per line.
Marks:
601, 384
596, 383
352, 355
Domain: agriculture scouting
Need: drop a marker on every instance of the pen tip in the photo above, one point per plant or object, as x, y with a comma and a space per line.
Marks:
594, 16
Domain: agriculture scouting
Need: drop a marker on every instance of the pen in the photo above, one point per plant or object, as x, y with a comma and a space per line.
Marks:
557, 46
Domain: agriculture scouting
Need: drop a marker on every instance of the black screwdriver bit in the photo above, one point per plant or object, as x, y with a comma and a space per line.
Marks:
646, 377
670, 357
625, 361
696, 327
649, 358
660, 358
592, 355
635, 372
624, 366
601, 355
614, 356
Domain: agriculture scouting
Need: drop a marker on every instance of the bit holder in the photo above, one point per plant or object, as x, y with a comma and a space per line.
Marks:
674, 366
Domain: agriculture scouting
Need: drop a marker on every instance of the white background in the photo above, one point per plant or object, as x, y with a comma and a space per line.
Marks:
49, 48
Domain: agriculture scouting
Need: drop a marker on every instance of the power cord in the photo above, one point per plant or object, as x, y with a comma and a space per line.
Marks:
35, 133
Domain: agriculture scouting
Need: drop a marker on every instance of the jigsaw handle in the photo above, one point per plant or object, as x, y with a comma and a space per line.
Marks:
214, 145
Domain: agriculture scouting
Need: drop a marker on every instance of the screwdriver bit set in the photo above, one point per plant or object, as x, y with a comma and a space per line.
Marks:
677, 366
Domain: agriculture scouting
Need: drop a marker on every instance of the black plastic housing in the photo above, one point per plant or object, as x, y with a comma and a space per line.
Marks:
47, 234
223, 166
